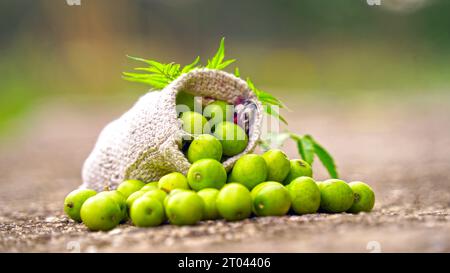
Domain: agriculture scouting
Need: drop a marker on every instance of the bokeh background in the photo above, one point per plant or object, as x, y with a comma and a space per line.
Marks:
371, 83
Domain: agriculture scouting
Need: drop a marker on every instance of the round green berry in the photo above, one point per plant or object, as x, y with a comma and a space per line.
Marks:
270, 199
206, 173
233, 138
172, 181
120, 200
147, 212
278, 165
209, 197
204, 146
297, 168
194, 123
364, 197
249, 170
219, 111
157, 194
335, 196
150, 186
234, 202
170, 194
74, 200
100, 212
305, 195
188, 102
185, 208
133, 197
127, 187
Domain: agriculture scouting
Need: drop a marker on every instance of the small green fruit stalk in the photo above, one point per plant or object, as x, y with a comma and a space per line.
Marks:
364, 197
127, 187
74, 200
249, 170
233, 138
305, 195
185, 208
204, 146
335, 196
147, 212
234, 202
209, 197
206, 173
298, 168
100, 212
173, 181
278, 165
270, 199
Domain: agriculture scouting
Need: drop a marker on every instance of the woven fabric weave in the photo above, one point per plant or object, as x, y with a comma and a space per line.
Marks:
144, 143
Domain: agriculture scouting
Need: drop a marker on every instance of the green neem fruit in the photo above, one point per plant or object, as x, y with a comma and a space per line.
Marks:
204, 146
120, 200
335, 196
209, 197
249, 170
147, 212
173, 181
188, 100
133, 197
298, 168
364, 197
127, 187
185, 208
150, 186
278, 165
270, 199
233, 138
100, 213
305, 195
172, 193
157, 194
219, 111
194, 123
74, 200
206, 173
234, 202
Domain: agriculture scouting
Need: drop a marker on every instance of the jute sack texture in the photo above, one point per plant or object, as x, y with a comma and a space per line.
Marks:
145, 142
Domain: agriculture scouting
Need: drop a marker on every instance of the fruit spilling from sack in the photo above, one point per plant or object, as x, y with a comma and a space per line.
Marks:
258, 185
213, 128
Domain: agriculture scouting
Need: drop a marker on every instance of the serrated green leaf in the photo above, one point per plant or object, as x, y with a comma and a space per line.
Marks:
325, 157
276, 140
305, 148
269, 109
224, 64
190, 66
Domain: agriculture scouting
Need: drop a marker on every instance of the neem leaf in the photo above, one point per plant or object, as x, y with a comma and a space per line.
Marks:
217, 62
276, 140
305, 148
190, 66
269, 109
325, 157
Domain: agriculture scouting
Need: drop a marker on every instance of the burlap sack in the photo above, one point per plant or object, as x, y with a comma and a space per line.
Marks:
144, 143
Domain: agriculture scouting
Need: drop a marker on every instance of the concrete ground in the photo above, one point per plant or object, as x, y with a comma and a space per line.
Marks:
400, 146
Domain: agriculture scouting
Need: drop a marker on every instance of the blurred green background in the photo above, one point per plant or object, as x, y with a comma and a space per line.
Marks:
330, 50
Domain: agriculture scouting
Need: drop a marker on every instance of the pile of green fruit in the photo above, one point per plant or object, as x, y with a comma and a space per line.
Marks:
263, 185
